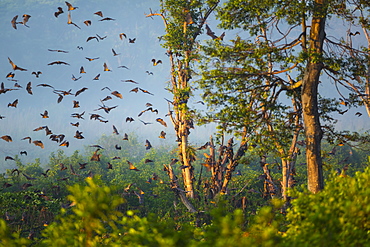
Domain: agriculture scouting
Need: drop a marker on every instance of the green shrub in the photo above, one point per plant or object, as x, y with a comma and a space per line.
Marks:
339, 215
9, 238
92, 220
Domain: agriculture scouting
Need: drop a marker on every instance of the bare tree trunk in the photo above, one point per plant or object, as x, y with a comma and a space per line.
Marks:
181, 75
312, 126
221, 173
270, 189
233, 161
176, 189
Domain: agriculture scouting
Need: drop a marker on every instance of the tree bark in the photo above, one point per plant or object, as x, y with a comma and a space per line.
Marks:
313, 131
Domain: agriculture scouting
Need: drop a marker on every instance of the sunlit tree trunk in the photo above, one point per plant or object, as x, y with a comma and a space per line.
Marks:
181, 34
313, 131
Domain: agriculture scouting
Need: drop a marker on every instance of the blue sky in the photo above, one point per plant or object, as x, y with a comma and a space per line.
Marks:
28, 47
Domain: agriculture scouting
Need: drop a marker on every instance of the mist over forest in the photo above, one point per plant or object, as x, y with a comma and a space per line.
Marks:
28, 47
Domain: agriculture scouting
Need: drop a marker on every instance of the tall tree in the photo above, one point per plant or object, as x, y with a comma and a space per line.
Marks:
244, 79
183, 22
244, 83
311, 78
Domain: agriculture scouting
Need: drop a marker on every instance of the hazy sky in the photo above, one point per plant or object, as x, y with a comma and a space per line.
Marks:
28, 48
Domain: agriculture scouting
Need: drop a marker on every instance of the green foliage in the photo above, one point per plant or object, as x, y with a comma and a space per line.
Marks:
93, 220
337, 216
9, 238
27, 212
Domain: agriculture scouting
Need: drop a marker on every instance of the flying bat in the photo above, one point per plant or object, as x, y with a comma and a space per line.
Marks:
79, 135
156, 62
60, 98
82, 70
64, 144
26, 185
40, 128
76, 104
162, 135
145, 91
106, 108
75, 78
6, 138
38, 143
62, 51
107, 19
115, 131
145, 123
132, 167
77, 115
44, 85
130, 81
27, 138
106, 88
123, 66
121, 35
106, 67
73, 172
58, 63
117, 94
114, 53
15, 67
14, 104
9, 158
354, 34
95, 156
91, 59
75, 124
125, 137
62, 167
60, 11
99, 13
161, 121
10, 75
28, 177
92, 37
29, 88
45, 114
80, 91
106, 98
37, 74
70, 21
14, 22
129, 119
213, 35
25, 19
148, 145
101, 38
87, 22
70, 7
